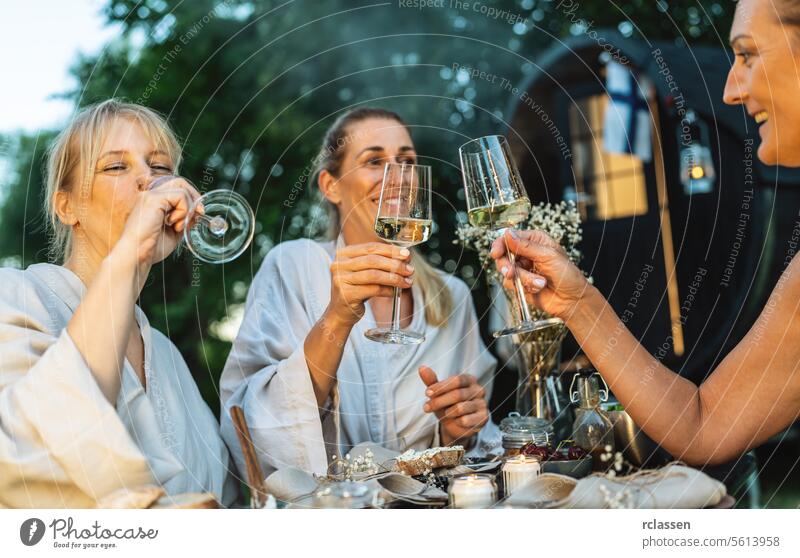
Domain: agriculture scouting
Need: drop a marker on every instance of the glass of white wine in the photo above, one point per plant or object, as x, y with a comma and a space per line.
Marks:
223, 230
404, 219
497, 200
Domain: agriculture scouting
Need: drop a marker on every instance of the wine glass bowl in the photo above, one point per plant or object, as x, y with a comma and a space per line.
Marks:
403, 219
497, 200
223, 230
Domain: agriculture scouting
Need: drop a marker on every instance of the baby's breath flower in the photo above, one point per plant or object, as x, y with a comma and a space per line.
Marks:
561, 221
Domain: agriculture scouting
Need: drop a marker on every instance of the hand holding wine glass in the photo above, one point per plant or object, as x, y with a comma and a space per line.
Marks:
550, 280
145, 231
497, 200
404, 219
218, 225
360, 272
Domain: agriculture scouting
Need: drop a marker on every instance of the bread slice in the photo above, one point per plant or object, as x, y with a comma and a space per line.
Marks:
415, 462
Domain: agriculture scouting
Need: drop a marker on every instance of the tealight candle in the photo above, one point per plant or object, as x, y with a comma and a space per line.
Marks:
519, 471
472, 491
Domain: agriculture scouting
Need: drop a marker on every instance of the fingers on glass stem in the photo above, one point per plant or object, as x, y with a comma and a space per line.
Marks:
531, 282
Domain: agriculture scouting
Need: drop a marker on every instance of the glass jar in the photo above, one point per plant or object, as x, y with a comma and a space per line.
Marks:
345, 495
472, 491
592, 430
518, 431
519, 471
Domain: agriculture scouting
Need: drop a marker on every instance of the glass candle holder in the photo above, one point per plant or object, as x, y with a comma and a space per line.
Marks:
472, 491
519, 471
345, 495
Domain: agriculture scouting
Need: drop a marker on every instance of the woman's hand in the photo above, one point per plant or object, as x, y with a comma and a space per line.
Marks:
363, 271
459, 403
155, 224
551, 281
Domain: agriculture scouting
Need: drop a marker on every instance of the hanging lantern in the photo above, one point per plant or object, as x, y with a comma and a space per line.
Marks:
698, 174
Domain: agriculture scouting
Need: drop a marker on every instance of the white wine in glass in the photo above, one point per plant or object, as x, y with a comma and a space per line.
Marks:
497, 200
500, 216
402, 231
404, 219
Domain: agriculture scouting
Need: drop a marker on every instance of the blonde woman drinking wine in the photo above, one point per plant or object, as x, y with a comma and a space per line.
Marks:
310, 383
93, 399
754, 393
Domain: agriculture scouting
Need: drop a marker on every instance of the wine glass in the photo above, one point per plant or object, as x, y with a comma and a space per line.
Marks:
222, 231
497, 200
404, 219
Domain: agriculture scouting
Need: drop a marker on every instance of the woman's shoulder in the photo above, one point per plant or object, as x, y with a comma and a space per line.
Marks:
39, 282
298, 251
302, 256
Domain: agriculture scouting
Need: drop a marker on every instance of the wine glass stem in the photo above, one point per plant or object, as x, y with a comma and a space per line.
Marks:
524, 311
205, 219
396, 310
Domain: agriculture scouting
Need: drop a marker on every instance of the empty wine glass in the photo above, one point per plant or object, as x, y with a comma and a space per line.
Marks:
222, 231
497, 200
404, 219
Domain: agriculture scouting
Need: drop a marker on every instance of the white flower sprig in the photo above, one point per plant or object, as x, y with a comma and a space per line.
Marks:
561, 221
362, 465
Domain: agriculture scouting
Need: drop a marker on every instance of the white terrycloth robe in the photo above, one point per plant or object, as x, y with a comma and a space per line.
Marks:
378, 395
62, 444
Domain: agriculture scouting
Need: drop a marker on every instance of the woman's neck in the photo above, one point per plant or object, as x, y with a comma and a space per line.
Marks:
83, 261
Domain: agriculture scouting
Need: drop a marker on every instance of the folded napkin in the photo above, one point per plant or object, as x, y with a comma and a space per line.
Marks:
672, 486
290, 484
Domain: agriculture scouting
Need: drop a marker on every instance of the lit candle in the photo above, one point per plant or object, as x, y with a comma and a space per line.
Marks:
472, 491
519, 471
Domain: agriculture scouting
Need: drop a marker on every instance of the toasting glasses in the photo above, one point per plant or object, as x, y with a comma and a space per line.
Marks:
223, 231
496, 200
404, 219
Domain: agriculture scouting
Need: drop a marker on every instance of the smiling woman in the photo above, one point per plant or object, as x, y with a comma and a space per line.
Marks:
310, 384
764, 78
92, 399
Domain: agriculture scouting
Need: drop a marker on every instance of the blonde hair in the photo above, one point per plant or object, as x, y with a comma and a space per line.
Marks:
435, 294
72, 157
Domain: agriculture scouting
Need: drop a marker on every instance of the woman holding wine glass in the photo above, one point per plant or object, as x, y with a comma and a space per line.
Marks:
328, 356
93, 399
754, 393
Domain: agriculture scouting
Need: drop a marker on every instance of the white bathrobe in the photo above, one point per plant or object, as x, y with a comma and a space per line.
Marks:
378, 395
62, 444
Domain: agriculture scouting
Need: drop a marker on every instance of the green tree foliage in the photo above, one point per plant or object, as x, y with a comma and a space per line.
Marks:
251, 86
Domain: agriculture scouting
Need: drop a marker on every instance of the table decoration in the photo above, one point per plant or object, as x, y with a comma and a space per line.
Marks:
673, 486
472, 491
566, 459
538, 352
518, 471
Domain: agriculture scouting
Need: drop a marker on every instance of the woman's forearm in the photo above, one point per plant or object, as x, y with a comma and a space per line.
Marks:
668, 407
101, 325
323, 347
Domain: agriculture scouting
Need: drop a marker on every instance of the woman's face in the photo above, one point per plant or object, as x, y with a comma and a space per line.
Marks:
128, 161
370, 144
764, 78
